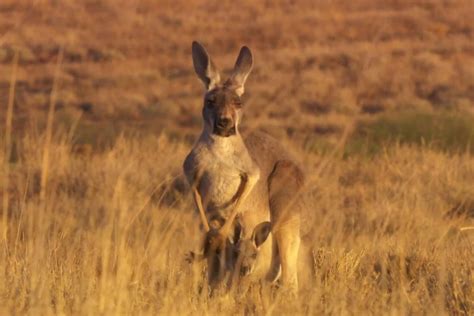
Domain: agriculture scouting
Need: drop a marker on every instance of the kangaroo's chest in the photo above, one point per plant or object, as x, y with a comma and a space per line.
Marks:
220, 184
222, 165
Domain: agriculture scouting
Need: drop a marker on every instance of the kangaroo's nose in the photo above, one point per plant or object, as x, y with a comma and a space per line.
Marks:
224, 122
244, 270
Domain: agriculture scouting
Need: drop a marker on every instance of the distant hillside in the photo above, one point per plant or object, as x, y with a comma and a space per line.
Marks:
318, 64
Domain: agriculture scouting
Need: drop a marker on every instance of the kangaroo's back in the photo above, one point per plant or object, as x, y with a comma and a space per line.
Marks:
266, 151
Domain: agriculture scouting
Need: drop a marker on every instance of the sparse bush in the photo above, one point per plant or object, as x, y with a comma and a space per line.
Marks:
447, 131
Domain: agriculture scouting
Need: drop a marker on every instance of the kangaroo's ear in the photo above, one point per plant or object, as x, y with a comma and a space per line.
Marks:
260, 233
237, 232
204, 67
242, 68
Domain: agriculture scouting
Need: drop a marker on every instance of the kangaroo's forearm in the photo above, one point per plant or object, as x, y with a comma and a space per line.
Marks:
202, 214
196, 180
248, 183
252, 179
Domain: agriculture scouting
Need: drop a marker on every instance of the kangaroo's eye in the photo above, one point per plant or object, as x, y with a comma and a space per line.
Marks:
238, 103
209, 103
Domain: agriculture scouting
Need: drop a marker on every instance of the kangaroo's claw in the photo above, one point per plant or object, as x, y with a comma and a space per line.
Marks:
192, 257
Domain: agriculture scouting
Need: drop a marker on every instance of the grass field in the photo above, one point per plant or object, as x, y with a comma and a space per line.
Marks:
97, 219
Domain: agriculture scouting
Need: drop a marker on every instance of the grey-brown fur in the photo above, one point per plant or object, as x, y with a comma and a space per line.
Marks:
244, 182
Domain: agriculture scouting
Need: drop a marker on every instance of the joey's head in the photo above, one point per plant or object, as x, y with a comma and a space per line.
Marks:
222, 101
232, 254
247, 249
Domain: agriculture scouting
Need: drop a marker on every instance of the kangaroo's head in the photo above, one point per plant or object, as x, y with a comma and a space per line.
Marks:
247, 248
222, 100
234, 254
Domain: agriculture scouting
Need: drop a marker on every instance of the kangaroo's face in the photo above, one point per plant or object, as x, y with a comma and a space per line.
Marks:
247, 249
222, 101
233, 254
221, 111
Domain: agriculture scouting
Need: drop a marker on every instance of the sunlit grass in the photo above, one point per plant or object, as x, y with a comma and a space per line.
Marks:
111, 235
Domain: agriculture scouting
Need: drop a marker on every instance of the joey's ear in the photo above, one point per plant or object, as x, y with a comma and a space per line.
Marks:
260, 233
237, 232
242, 68
204, 67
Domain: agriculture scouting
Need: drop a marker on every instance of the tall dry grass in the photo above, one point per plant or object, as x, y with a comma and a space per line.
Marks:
115, 225
127, 63
8, 141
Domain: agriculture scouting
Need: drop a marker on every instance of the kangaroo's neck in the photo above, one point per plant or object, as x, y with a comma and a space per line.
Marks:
230, 151
223, 145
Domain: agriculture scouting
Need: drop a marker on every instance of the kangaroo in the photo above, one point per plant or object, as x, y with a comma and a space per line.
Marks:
243, 188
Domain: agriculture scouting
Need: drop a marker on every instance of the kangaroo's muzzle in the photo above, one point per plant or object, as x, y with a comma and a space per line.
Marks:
224, 127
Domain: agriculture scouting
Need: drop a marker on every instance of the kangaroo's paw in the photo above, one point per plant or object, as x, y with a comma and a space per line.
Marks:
192, 257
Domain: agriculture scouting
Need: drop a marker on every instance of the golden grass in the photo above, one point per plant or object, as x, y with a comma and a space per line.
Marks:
8, 141
49, 128
116, 225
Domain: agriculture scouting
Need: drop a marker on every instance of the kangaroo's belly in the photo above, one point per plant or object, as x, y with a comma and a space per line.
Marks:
220, 188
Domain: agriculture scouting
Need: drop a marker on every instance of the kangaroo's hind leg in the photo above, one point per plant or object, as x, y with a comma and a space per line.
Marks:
285, 182
275, 266
288, 241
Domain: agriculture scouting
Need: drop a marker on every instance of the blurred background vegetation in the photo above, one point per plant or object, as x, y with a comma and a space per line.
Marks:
402, 70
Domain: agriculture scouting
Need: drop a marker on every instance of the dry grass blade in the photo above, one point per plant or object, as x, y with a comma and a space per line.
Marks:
49, 126
8, 142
